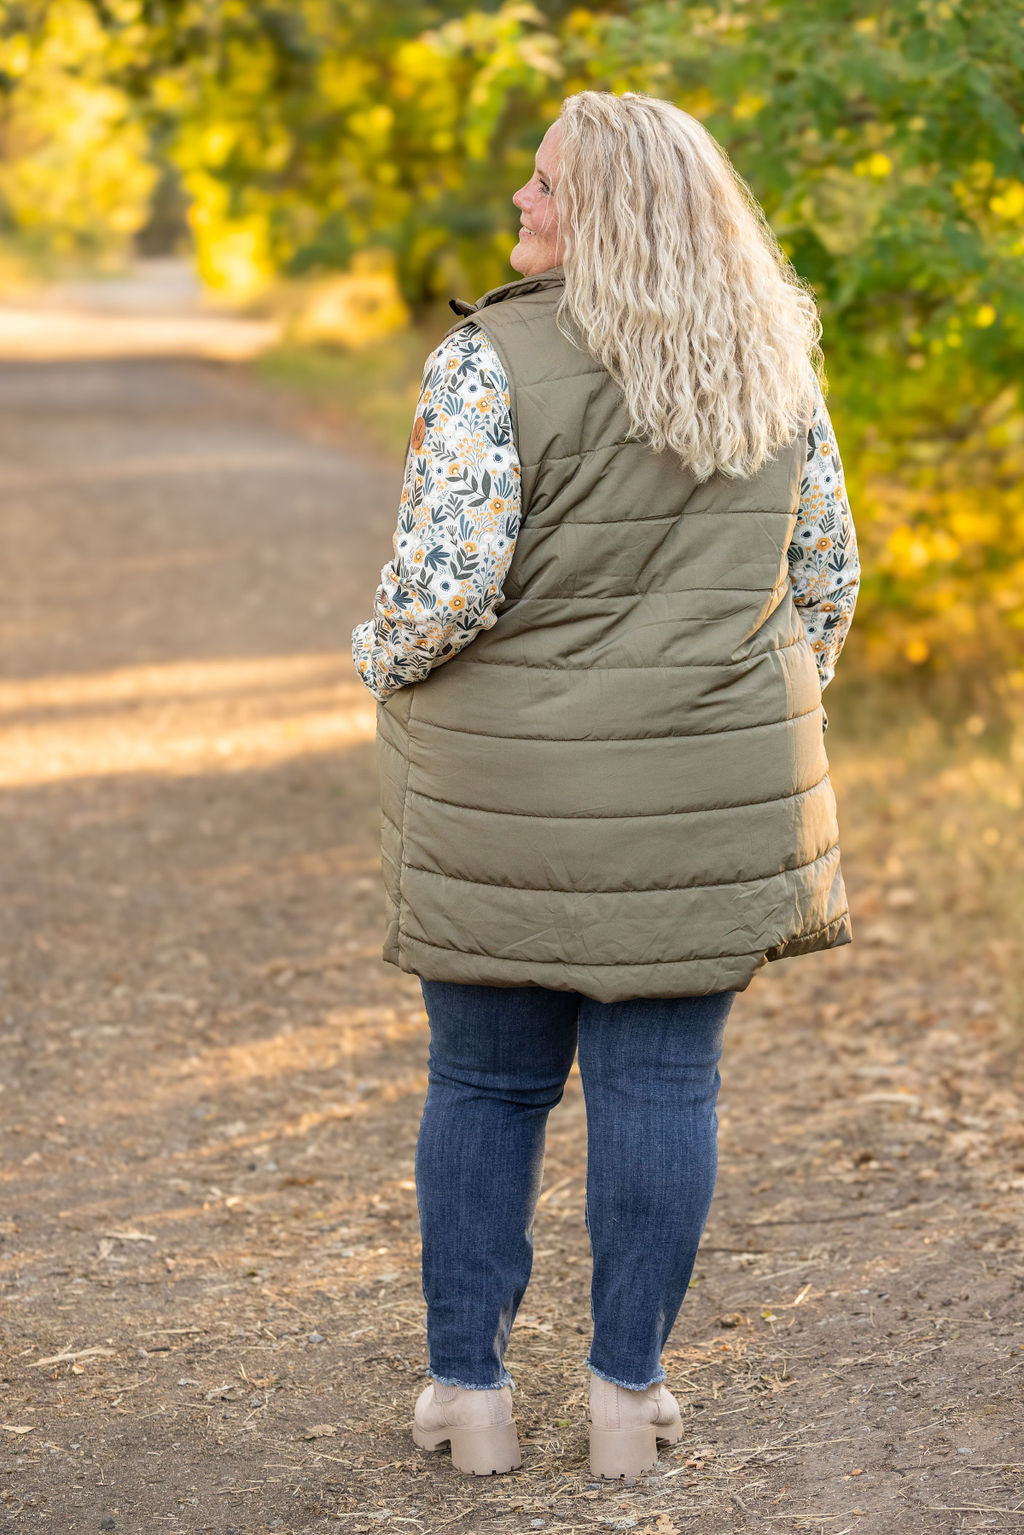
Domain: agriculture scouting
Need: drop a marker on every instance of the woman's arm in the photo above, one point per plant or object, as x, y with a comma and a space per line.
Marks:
457, 523
824, 566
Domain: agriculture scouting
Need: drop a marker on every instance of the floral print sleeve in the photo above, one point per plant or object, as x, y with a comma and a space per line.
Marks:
824, 567
457, 522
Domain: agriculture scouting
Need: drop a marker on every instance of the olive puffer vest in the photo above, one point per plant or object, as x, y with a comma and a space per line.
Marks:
621, 788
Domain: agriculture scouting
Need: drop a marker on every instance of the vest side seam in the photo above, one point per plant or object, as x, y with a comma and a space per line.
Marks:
711, 884
629, 964
625, 815
667, 735
400, 935
382, 740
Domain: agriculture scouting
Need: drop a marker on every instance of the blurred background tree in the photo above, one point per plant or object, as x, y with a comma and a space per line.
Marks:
885, 142
76, 177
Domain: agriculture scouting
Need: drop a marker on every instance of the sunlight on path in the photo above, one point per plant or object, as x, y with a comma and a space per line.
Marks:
182, 717
157, 310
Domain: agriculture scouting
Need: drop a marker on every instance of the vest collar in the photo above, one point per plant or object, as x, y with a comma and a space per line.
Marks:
554, 277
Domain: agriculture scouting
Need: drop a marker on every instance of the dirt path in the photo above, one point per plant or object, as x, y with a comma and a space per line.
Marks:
209, 1291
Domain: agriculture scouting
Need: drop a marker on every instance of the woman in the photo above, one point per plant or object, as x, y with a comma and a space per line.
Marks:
623, 570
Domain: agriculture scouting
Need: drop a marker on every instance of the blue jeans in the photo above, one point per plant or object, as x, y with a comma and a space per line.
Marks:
498, 1061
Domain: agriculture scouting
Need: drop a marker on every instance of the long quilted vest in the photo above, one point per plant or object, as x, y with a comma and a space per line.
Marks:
621, 788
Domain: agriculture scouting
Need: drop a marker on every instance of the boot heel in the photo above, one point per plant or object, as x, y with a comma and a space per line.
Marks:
616, 1452
479, 1451
430, 1438
485, 1451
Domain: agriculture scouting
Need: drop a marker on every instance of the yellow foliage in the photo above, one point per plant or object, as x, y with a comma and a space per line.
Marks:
344, 77
1009, 203
417, 60
232, 255
354, 309
914, 548
747, 106
907, 549
941, 535
970, 522
699, 103
15, 55
216, 143
76, 168
876, 165
373, 125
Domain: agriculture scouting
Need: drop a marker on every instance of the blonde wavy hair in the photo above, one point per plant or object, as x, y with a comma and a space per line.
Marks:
676, 283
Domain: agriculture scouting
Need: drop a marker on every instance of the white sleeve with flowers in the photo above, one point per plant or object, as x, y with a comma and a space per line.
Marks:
824, 566
457, 523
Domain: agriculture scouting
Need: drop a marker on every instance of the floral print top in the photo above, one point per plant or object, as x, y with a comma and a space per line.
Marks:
459, 518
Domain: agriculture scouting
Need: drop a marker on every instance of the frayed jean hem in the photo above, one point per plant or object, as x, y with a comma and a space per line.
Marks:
627, 1385
470, 1385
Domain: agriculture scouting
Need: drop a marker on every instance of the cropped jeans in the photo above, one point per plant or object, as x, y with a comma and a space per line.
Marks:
499, 1058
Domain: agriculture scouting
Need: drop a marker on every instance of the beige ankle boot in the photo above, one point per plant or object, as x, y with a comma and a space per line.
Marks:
625, 1427
478, 1426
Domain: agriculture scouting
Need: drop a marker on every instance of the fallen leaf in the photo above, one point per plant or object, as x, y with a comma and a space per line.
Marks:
11, 1428
319, 1431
